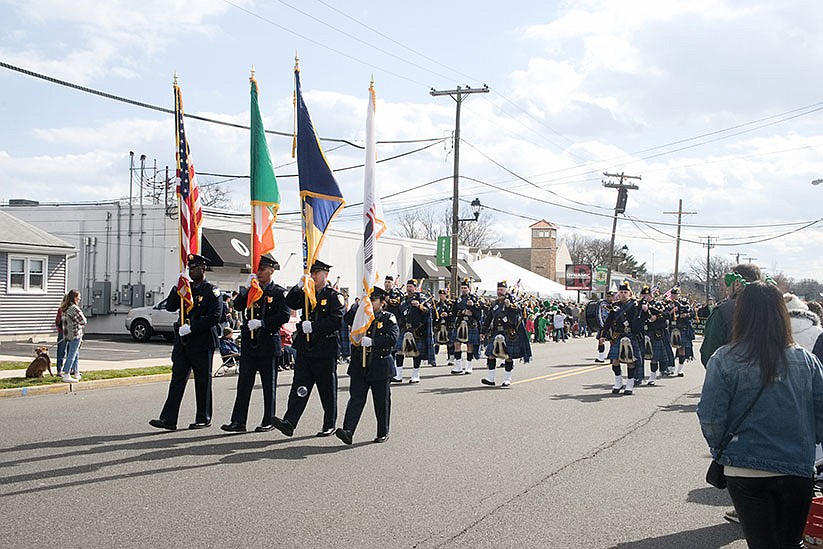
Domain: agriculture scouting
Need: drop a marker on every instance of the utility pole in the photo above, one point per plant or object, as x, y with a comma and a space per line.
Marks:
749, 258
458, 96
619, 207
709, 245
679, 213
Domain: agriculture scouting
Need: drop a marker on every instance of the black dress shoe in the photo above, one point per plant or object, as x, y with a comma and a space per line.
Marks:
160, 424
345, 436
485, 381
628, 392
234, 427
325, 432
200, 425
616, 390
384, 438
397, 380
283, 426
263, 428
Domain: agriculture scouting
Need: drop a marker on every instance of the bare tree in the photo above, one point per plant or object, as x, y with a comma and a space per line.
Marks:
595, 251
214, 196
427, 224
718, 268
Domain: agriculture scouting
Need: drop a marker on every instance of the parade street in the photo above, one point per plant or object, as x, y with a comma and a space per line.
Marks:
555, 460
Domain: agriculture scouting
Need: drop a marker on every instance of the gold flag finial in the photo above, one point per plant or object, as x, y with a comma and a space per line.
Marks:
296, 62
175, 78
371, 82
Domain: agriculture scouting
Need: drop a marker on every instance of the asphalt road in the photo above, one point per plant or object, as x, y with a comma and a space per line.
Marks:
553, 461
114, 348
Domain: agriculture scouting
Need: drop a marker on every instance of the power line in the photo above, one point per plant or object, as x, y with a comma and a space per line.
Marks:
165, 110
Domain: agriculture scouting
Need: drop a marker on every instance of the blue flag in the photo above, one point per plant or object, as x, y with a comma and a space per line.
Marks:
320, 195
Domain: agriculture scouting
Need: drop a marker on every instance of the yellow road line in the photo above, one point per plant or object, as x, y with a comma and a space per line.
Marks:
566, 373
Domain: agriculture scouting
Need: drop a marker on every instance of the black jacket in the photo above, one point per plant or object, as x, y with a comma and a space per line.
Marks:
380, 356
203, 318
272, 311
326, 318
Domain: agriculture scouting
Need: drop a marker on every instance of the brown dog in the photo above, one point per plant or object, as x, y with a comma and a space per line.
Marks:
39, 364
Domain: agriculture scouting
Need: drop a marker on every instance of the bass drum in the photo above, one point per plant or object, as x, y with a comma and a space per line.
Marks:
596, 313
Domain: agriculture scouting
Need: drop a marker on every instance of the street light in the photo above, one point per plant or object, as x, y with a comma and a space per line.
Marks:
476, 207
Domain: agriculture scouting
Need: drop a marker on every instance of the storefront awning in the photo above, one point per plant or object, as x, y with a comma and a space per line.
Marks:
226, 248
464, 270
424, 266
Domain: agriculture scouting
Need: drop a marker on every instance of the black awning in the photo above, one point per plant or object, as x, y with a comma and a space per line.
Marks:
424, 266
464, 270
226, 248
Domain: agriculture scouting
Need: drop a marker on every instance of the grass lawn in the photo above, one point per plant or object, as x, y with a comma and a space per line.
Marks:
17, 382
15, 365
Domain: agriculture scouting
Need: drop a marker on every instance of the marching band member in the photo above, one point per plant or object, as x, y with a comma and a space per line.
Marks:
443, 334
624, 327
682, 317
601, 346
505, 336
415, 338
467, 317
374, 373
656, 331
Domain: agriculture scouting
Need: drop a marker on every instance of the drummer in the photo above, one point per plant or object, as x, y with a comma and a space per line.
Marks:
601, 344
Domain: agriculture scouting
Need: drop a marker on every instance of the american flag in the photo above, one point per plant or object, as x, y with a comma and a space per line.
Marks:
188, 194
191, 212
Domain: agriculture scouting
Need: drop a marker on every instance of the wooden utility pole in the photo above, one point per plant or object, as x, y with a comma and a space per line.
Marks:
619, 207
709, 245
679, 213
458, 96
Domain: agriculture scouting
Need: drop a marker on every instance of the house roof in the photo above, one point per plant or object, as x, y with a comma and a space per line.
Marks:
543, 224
18, 235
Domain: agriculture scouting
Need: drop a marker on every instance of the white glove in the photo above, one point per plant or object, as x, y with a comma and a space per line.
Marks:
184, 330
306, 326
255, 323
366, 341
302, 282
249, 279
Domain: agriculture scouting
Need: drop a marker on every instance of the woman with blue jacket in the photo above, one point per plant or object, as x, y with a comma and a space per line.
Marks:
769, 462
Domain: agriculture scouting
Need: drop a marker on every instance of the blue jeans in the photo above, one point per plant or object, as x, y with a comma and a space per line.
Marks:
72, 356
61, 351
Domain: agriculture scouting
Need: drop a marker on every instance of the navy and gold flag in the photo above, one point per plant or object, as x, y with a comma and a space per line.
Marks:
320, 195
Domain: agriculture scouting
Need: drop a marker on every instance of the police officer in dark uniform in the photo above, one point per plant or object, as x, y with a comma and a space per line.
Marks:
375, 373
315, 341
194, 345
260, 345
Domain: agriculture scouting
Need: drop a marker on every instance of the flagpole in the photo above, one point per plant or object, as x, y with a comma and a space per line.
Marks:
250, 306
306, 266
179, 199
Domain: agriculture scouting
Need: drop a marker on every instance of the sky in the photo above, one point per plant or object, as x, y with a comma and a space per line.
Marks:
715, 102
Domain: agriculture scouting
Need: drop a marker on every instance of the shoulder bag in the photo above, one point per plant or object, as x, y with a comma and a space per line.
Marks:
716, 475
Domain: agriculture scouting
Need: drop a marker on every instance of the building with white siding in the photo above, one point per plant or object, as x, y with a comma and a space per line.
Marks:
127, 256
32, 278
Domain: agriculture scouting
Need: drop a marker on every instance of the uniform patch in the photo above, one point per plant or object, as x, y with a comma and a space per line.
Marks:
216, 291
341, 299
379, 325
322, 302
269, 299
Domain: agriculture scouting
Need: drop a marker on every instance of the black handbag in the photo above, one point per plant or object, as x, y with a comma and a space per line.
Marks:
716, 475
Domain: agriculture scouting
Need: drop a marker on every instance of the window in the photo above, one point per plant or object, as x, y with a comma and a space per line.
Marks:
27, 274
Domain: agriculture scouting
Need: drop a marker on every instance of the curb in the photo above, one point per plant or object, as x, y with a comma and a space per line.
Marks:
65, 388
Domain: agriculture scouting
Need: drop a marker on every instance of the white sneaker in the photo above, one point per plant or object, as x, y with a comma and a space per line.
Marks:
68, 379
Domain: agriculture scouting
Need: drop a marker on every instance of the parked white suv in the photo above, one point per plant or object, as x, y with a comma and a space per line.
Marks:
144, 322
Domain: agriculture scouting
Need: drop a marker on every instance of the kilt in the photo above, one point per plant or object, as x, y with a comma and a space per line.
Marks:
614, 348
514, 347
474, 336
686, 338
659, 350
423, 345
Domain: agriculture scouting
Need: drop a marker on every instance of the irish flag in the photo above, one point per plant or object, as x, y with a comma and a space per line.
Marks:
265, 196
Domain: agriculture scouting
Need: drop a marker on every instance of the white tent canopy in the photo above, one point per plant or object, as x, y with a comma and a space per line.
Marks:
494, 269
